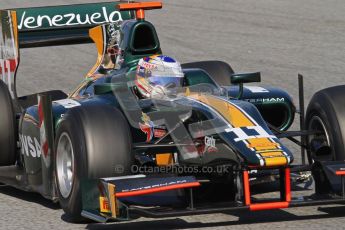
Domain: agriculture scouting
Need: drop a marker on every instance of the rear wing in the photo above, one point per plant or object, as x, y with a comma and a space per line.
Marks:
50, 26
68, 24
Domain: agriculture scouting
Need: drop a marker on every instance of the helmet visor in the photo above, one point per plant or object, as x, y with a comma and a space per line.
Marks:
167, 82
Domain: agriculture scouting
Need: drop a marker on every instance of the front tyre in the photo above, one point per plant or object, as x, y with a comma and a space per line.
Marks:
91, 142
326, 115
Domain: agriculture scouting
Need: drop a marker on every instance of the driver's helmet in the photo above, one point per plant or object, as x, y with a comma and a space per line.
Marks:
158, 77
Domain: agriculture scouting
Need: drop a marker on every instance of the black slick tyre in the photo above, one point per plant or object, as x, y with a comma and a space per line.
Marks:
8, 132
326, 115
218, 70
91, 142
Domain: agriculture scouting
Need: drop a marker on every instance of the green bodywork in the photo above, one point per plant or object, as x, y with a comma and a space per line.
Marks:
40, 175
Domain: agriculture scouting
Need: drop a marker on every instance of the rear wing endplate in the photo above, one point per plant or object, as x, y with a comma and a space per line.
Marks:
9, 52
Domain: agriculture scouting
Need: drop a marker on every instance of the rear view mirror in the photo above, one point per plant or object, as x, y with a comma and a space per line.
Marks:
240, 78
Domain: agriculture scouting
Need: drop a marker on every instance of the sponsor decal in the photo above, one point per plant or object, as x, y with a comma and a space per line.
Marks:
256, 89
68, 103
30, 146
205, 144
149, 65
9, 66
158, 133
148, 127
104, 205
68, 19
43, 136
159, 185
266, 100
210, 144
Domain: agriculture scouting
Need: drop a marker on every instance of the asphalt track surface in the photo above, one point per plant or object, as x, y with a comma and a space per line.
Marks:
277, 37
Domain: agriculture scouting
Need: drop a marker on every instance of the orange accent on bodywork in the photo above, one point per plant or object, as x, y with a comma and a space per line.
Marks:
287, 185
112, 201
274, 158
232, 114
261, 144
140, 14
164, 159
246, 188
268, 206
237, 119
340, 173
104, 205
140, 7
96, 34
15, 28
275, 161
272, 154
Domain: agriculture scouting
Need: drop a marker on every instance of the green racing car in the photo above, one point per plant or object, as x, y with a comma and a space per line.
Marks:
145, 135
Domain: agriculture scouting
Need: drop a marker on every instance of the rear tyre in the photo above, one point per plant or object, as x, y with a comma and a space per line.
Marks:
7, 128
326, 114
218, 70
91, 142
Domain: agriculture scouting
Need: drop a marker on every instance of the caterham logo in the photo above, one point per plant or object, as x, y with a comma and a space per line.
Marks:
266, 100
210, 144
70, 19
30, 146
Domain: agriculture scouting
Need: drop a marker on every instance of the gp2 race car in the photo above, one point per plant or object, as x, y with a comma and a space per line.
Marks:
107, 155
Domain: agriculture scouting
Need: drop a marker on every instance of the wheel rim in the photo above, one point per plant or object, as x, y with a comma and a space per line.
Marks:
65, 164
317, 141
